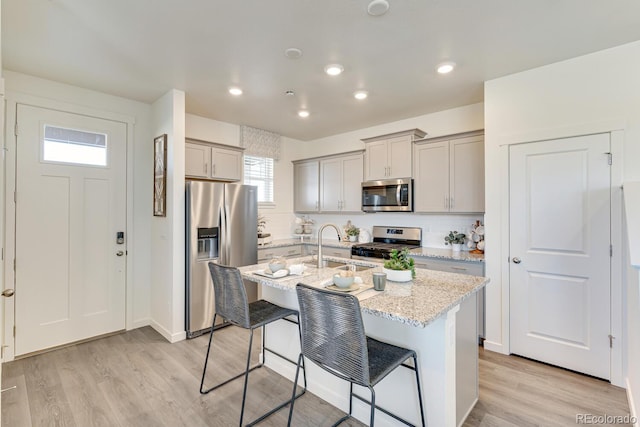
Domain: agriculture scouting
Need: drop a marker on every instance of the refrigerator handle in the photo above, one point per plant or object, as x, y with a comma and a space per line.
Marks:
222, 240
227, 238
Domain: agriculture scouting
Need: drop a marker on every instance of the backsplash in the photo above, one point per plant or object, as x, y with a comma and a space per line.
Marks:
434, 227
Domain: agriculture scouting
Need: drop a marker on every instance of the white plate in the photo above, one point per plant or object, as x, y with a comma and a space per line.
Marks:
353, 287
277, 275
480, 230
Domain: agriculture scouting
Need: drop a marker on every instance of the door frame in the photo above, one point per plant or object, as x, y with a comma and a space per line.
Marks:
616, 129
13, 99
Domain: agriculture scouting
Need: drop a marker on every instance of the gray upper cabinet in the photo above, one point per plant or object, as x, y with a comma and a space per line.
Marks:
449, 174
328, 184
212, 161
389, 156
306, 186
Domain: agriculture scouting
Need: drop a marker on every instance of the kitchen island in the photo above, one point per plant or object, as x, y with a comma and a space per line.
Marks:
420, 315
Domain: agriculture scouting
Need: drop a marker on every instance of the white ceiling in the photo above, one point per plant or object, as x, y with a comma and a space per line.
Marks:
140, 49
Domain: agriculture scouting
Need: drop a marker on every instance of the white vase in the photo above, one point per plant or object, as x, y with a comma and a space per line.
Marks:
456, 247
398, 275
353, 238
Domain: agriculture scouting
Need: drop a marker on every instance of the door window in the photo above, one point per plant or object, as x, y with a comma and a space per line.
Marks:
71, 146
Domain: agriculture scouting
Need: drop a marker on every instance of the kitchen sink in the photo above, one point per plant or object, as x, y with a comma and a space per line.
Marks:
339, 265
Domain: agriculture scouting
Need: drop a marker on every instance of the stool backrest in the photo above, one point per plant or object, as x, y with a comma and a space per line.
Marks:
333, 333
230, 294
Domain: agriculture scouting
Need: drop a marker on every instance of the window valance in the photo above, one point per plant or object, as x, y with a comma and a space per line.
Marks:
259, 142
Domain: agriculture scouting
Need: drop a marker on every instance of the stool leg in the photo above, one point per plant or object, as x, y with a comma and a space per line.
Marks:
246, 377
206, 359
373, 406
295, 384
415, 364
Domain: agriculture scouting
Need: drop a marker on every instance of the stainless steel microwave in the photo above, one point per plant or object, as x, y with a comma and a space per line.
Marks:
389, 195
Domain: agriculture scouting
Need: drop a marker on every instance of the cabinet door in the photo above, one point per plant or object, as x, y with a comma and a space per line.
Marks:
306, 186
197, 160
226, 164
376, 160
431, 177
352, 172
466, 177
399, 157
330, 185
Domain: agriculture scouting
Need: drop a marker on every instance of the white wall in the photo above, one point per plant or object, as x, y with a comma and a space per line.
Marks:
592, 93
167, 233
47, 93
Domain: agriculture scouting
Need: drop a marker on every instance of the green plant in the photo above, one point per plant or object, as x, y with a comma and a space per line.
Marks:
454, 237
400, 260
352, 230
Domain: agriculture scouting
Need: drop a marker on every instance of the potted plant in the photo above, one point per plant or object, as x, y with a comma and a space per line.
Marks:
352, 231
455, 239
400, 267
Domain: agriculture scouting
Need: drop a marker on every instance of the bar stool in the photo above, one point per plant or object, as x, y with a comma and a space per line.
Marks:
231, 303
333, 338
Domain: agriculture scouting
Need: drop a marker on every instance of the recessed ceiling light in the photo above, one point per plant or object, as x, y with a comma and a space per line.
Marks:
293, 53
446, 67
235, 91
333, 69
289, 93
361, 94
378, 7
303, 113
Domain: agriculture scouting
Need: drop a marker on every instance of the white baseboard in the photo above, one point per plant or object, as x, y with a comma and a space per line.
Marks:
495, 347
139, 323
171, 337
632, 405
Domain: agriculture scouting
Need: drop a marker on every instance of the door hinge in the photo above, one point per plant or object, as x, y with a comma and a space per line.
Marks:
611, 338
609, 158
14, 331
611, 251
15, 129
15, 197
14, 265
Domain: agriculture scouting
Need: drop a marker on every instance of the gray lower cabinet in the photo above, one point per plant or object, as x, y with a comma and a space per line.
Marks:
268, 253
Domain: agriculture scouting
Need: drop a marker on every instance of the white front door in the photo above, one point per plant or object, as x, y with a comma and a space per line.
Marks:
560, 203
70, 203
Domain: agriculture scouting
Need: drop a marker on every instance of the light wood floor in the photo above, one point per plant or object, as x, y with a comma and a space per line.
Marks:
139, 379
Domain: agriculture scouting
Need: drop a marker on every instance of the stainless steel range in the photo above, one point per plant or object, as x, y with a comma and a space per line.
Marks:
385, 239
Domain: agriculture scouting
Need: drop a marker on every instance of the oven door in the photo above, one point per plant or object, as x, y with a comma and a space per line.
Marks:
393, 195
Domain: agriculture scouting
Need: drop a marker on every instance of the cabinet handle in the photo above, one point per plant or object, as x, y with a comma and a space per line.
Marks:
445, 202
316, 204
452, 202
206, 169
292, 251
213, 169
459, 268
268, 255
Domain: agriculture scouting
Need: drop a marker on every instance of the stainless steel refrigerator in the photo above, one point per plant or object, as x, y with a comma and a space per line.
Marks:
221, 226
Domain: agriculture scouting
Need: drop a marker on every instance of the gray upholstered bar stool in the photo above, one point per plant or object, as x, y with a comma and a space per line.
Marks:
333, 338
231, 303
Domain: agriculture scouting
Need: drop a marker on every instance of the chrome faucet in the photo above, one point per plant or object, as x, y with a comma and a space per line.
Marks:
320, 240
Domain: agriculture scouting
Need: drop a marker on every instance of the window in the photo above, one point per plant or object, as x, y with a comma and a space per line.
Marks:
62, 145
259, 171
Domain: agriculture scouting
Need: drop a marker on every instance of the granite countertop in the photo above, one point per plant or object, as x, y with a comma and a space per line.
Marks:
417, 303
308, 241
446, 254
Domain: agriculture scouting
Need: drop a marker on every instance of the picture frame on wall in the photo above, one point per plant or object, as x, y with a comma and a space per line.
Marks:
160, 175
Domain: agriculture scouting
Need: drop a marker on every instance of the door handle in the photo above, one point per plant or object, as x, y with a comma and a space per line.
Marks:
8, 293
120, 253
516, 260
